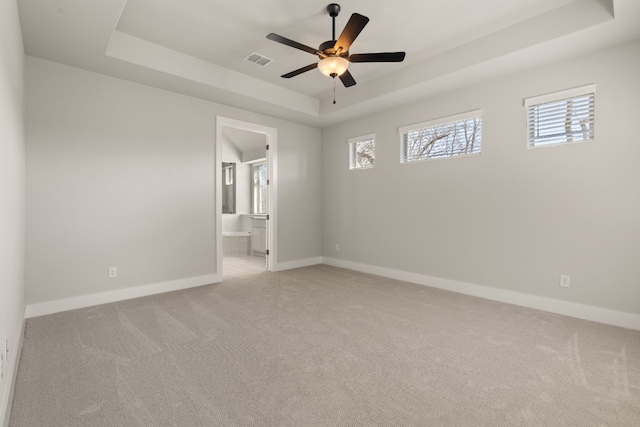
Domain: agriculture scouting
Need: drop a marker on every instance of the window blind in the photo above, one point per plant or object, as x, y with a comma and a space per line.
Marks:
562, 117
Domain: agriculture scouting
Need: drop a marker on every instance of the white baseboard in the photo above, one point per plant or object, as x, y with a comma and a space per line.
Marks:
580, 311
299, 263
72, 303
10, 375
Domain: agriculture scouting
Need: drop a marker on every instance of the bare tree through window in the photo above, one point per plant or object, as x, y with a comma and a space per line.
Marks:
451, 139
362, 152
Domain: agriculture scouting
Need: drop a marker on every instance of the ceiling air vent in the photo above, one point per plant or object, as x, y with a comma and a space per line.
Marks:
256, 58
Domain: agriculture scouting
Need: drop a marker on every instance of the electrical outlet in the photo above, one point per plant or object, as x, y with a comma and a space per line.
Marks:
113, 272
565, 281
337, 248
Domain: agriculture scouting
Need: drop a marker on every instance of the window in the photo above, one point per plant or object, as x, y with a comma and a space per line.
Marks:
228, 173
259, 188
362, 152
560, 117
453, 136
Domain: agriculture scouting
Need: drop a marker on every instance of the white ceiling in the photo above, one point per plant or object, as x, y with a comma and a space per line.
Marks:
197, 47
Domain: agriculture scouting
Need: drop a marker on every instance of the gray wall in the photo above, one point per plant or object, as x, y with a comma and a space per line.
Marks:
12, 193
511, 218
121, 174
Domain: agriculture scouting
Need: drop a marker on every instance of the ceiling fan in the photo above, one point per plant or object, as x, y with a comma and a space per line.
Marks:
334, 54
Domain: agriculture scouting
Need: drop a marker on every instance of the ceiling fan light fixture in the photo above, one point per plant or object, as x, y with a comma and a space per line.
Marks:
333, 66
334, 54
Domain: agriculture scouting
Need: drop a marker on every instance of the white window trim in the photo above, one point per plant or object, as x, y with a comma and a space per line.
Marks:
355, 140
474, 114
558, 96
575, 92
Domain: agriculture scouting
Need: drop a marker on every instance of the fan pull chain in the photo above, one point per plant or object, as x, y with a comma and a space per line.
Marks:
334, 90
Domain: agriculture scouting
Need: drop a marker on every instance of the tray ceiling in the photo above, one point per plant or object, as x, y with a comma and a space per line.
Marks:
199, 47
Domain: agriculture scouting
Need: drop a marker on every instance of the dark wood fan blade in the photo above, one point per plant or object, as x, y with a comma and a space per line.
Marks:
347, 79
300, 71
288, 42
377, 57
351, 30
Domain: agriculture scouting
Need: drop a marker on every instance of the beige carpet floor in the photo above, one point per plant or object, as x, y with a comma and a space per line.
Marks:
240, 265
323, 346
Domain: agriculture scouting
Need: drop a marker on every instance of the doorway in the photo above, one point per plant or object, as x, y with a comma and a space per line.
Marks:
245, 186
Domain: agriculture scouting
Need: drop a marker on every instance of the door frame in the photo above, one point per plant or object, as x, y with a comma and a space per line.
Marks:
272, 199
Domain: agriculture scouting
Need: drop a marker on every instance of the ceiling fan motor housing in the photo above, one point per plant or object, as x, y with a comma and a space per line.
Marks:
328, 49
